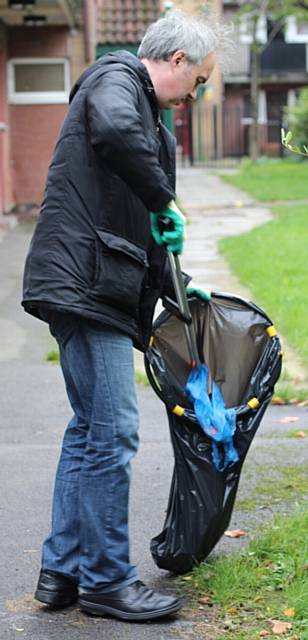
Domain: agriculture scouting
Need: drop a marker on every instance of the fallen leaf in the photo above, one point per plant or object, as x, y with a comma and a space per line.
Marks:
289, 612
235, 533
300, 434
268, 563
264, 633
278, 400
279, 627
232, 610
304, 403
297, 573
187, 578
205, 600
289, 419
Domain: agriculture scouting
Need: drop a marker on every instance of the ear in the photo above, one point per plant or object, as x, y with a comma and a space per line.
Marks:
178, 58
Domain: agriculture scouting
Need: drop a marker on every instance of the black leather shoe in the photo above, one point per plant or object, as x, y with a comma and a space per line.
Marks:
135, 602
56, 590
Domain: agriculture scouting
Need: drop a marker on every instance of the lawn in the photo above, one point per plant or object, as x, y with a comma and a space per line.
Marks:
273, 180
272, 262
265, 583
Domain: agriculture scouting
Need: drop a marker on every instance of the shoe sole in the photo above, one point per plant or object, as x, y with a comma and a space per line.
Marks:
54, 599
102, 609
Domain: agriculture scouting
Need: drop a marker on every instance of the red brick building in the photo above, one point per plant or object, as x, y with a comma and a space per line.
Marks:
44, 46
121, 24
283, 72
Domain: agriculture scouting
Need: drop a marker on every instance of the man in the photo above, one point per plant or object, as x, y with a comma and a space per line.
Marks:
94, 272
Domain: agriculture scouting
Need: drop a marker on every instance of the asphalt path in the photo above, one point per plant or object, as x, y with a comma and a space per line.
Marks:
34, 412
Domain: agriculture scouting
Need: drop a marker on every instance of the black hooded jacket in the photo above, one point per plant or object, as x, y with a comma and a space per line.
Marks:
92, 252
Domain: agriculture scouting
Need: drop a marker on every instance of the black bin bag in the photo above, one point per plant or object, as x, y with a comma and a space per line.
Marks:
242, 351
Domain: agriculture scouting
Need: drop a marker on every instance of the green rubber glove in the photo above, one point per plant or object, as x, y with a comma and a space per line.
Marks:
173, 239
193, 291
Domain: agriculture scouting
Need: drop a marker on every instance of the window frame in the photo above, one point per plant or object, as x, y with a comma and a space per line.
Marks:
292, 35
245, 37
37, 97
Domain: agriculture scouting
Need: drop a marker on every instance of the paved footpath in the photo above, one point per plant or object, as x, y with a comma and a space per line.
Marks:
217, 210
33, 413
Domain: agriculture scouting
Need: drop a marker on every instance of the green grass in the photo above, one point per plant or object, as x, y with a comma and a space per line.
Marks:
273, 180
141, 378
290, 393
272, 262
293, 434
282, 485
53, 356
250, 588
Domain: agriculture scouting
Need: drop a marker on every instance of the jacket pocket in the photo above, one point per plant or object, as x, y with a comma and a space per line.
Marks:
121, 271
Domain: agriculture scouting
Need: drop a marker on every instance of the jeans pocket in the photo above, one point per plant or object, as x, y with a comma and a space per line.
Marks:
121, 269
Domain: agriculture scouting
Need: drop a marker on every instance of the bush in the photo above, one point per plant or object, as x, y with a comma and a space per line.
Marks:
297, 117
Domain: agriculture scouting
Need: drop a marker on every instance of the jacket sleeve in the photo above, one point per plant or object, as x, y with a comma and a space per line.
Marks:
117, 133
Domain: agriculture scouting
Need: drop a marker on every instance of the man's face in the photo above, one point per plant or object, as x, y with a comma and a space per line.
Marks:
178, 80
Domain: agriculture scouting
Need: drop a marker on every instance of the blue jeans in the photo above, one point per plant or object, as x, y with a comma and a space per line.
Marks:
89, 536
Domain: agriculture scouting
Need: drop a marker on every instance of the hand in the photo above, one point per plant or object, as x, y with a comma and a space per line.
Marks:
173, 239
193, 291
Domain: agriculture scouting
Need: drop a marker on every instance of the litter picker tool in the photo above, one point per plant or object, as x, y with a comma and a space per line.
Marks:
181, 297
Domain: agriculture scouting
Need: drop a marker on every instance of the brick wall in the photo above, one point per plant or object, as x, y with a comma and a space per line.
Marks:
34, 128
38, 42
34, 131
6, 199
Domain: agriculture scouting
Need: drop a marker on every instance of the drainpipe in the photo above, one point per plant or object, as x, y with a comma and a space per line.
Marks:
88, 30
2, 129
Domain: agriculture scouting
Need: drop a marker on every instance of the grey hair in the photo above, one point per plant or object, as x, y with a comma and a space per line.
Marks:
197, 35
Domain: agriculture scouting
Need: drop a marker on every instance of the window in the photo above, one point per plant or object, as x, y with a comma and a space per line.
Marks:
296, 31
245, 29
38, 80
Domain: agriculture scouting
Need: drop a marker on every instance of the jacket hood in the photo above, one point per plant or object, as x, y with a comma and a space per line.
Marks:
123, 57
